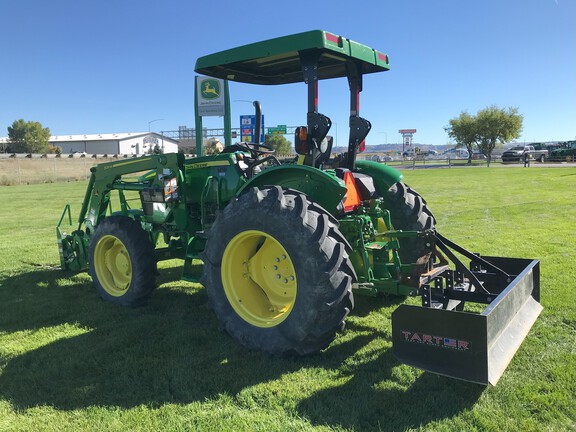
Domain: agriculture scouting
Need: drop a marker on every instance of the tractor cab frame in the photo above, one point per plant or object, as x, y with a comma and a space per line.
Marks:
309, 57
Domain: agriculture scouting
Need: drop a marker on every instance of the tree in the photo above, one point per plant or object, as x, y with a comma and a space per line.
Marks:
492, 126
282, 146
28, 137
463, 131
213, 146
497, 127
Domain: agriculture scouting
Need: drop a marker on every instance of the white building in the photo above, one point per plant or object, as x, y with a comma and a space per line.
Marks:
130, 143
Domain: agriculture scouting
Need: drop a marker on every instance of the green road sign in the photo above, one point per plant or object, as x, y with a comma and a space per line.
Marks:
278, 130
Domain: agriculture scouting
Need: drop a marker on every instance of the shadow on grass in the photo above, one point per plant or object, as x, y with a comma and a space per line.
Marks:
374, 398
91, 353
376, 395
167, 352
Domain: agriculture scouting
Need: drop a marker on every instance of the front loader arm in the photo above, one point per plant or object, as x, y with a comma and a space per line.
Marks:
108, 176
104, 178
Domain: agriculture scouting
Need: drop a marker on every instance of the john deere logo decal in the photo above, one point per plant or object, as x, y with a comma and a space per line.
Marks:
210, 95
210, 88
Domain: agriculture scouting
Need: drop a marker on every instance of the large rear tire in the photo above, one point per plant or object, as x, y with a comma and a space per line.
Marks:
277, 272
122, 261
409, 212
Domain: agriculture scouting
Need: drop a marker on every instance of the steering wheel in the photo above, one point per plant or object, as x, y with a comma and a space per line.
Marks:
255, 150
259, 153
258, 149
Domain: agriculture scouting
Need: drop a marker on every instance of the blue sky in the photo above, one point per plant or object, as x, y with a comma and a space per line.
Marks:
83, 67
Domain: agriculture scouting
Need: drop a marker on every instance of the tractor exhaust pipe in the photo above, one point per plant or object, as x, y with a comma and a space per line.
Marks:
257, 121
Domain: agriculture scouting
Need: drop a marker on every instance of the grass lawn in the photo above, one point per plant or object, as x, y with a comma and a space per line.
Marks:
69, 361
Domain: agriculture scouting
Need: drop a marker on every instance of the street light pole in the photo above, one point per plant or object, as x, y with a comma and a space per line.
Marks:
336, 130
385, 137
152, 121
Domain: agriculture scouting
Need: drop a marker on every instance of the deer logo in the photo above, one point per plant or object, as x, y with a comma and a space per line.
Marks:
210, 89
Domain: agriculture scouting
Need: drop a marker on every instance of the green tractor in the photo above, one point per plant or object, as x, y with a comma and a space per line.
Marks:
286, 246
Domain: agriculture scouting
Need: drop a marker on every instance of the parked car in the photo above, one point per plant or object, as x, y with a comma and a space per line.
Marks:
455, 153
380, 158
567, 153
428, 153
521, 153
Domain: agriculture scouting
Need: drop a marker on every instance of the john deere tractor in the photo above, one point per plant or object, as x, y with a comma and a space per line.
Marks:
286, 246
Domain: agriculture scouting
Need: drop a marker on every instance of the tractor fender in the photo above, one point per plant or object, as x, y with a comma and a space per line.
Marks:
383, 175
323, 187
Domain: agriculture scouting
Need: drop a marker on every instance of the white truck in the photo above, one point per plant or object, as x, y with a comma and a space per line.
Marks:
525, 152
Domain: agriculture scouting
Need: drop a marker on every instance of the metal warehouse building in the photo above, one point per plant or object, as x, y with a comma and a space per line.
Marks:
130, 143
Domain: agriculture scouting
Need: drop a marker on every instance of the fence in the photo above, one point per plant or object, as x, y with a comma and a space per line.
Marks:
17, 171
32, 169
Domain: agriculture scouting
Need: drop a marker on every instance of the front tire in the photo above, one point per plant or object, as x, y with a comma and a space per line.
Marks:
277, 272
122, 261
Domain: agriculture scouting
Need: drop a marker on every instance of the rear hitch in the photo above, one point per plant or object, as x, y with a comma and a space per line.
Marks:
441, 337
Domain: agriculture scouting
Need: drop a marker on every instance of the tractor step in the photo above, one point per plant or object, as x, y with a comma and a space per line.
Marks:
191, 272
474, 347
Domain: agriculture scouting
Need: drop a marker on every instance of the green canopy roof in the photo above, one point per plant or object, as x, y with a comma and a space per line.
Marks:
278, 61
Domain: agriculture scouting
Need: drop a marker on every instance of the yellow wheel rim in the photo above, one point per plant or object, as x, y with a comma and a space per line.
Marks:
259, 278
112, 265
